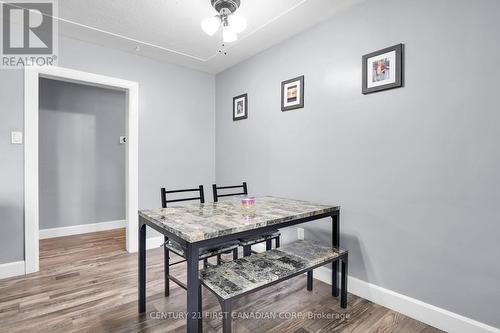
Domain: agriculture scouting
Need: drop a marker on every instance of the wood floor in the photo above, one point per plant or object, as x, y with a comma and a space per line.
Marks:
88, 283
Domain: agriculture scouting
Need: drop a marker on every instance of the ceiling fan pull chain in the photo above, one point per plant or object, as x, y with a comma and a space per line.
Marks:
222, 49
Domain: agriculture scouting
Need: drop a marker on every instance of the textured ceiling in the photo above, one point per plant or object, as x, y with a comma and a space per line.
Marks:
169, 30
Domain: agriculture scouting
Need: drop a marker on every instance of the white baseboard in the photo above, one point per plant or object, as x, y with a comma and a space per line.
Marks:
261, 247
81, 229
12, 269
18, 268
432, 315
154, 242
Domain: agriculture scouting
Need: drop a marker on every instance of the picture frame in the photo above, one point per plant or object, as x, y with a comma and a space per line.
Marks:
292, 94
240, 107
383, 69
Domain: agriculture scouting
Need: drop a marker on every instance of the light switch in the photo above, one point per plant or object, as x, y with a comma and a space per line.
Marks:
123, 139
16, 138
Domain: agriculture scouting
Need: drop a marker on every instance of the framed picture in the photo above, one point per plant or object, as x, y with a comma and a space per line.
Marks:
292, 94
383, 69
240, 107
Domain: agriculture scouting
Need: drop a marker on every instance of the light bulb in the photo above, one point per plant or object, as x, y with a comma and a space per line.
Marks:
237, 23
210, 25
228, 35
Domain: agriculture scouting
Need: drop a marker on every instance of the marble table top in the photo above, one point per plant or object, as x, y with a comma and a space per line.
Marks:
197, 222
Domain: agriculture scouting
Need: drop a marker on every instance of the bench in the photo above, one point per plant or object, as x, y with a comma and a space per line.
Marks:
240, 277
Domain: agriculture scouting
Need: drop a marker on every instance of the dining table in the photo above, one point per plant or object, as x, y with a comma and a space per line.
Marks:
198, 226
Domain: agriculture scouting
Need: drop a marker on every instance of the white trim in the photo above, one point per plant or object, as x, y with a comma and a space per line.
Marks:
260, 247
432, 315
154, 242
132, 169
31, 76
17, 268
31, 255
81, 229
11, 269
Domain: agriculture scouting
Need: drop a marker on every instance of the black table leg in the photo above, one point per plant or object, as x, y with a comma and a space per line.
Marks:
310, 280
235, 254
343, 296
335, 290
200, 310
335, 244
166, 264
227, 316
142, 267
247, 250
193, 285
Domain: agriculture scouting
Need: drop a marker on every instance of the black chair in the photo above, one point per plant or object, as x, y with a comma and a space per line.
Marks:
247, 243
205, 253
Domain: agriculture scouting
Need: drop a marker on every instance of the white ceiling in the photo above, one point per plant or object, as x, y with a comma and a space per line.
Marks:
169, 30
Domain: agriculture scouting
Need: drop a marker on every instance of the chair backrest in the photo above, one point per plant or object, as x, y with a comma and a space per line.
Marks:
164, 193
215, 189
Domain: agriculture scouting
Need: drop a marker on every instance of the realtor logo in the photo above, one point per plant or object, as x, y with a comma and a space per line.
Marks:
28, 32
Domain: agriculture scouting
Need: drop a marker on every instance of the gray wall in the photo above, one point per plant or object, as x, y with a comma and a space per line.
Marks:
11, 168
415, 169
81, 161
176, 129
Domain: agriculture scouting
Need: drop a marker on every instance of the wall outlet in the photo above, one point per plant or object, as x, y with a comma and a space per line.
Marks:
16, 138
123, 139
300, 233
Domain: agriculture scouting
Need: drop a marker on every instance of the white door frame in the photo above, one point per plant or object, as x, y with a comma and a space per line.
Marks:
31, 209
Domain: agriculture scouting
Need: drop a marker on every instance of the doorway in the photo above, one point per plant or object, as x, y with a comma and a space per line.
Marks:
77, 79
81, 167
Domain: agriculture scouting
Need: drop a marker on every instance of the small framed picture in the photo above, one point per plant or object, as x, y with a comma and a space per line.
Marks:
383, 69
240, 107
292, 94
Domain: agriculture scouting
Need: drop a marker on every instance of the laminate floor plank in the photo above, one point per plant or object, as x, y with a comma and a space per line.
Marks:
88, 283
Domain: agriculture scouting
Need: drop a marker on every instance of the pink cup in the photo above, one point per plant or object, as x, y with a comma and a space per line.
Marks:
247, 202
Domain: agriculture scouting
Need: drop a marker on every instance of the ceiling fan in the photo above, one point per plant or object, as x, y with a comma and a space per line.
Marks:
230, 23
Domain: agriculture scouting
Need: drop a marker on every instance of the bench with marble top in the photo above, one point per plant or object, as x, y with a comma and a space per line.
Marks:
237, 278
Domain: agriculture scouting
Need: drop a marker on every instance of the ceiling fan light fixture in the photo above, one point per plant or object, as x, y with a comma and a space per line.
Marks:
225, 5
228, 35
210, 25
225, 20
237, 22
